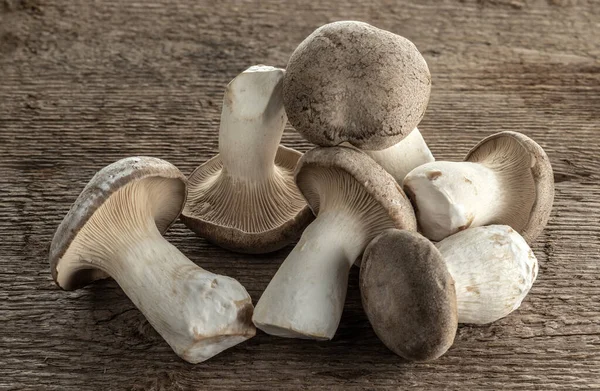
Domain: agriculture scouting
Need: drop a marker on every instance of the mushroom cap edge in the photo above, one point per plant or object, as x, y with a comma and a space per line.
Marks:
102, 185
375, 180
543, 177
237, 240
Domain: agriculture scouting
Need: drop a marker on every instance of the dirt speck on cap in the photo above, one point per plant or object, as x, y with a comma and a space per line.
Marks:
433, 175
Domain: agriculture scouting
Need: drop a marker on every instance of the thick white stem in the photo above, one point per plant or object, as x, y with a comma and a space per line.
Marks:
252, 122
197, 312
306, 296
403, 157
452, 196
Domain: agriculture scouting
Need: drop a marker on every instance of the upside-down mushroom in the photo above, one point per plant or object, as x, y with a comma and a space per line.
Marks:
245, 199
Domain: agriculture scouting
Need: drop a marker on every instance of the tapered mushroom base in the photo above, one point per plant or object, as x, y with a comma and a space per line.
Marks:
306, 296
215, 316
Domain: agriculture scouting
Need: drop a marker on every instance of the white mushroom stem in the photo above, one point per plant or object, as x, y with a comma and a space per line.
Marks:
493, 269
306, 296
197, 312
252, 122
452, 196
404, 156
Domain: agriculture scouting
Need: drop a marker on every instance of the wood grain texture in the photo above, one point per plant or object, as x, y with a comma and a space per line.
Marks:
84, 83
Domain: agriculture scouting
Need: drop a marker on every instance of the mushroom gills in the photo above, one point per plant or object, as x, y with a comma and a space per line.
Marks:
251, 206
493, 269
198, 313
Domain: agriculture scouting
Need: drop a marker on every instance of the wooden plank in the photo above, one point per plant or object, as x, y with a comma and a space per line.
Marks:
83, 84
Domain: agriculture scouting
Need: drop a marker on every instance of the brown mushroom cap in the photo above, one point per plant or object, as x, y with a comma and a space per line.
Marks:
409, 295
349, 176
350, 81
105, 183
527, 174
262, 219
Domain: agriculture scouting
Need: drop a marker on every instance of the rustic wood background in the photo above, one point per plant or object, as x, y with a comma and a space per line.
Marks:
84, 83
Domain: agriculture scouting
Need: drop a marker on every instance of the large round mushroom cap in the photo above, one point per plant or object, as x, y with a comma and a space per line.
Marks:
153, 184
526, 174
409, 295
342, 178
350, 81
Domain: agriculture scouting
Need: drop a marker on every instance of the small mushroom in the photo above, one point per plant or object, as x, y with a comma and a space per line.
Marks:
115, 229
408, 295
350, 81
403, 157
505, 179
354, 200
493, 269
245, 199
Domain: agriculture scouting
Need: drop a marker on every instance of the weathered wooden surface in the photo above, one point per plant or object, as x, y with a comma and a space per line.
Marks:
85, 83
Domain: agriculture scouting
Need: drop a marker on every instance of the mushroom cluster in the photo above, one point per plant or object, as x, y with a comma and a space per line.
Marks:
438, 243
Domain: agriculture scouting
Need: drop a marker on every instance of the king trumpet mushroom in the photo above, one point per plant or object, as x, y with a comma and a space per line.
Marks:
409, 295
505, 179
354, 200
350, 82
115, 229
493, 270
245, 199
